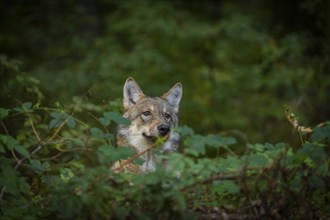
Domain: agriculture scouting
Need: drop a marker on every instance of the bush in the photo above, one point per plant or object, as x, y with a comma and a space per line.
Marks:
58, 166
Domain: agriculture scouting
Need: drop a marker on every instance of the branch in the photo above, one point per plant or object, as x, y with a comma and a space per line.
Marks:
230, 175
120, 168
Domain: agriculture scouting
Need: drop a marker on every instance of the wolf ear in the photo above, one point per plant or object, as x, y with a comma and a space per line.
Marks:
132, 93
173, 96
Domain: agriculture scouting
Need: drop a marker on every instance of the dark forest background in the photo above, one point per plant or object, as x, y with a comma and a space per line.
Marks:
240, 62
254, 116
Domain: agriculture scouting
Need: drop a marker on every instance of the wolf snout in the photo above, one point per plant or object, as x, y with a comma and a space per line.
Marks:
163, 129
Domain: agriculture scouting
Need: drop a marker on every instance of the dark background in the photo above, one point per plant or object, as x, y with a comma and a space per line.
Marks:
240, 62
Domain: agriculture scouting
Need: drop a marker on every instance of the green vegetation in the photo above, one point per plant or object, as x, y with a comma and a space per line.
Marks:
245, 69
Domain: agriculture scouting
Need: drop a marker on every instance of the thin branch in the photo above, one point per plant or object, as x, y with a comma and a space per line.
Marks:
230, 175
4, 127
93, 116
120, 168
65, 121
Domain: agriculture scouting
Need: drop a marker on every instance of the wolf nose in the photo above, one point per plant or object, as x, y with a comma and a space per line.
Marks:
163, 129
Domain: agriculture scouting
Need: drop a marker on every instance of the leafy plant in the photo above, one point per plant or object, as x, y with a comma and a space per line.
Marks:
66, 174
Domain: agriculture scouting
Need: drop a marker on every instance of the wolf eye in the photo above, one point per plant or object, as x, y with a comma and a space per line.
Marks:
167, 116
146, 113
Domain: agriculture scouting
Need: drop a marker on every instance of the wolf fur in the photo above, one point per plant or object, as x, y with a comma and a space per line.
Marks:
151, 117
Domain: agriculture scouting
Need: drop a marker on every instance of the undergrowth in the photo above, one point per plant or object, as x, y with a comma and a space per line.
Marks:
57, 165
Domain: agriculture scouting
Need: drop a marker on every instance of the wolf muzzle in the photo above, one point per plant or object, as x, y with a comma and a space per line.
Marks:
163, 129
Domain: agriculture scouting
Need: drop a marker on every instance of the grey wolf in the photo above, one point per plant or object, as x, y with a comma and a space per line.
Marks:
151, 118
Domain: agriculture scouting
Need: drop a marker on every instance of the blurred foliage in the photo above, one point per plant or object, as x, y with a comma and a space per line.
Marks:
239, 62
63, 66
58, 167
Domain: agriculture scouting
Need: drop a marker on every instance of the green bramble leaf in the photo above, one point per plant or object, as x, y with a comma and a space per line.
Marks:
98, 133
58, 119
38, 166
256, 160
26, 106
22, 150
71, 122
3, 112
225, 187
12, 144
321, 133
66, 174
184, 131
113, 154
116, 117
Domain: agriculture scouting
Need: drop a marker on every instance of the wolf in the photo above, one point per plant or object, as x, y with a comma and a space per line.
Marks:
151, 118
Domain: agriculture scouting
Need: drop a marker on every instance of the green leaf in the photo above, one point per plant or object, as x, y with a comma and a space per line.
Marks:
225, 187
3, 112
195, 145
98, 133
58, 119
184, 131
256, 160
38, 166
56, 114
66, 174
13, 144
21, 150
105, 121
24, 107
9, 178
321, 133
2, 148
114, 116
114, 154
218, 141
55, 123
27, 105
71, 122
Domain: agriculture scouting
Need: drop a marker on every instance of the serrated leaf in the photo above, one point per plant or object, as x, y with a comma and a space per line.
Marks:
321, 133
185, 131
56, 114
55, 123
225, 186
98, 133
3, 112
104, 121
66, 174
36, 165
114, 154
256, 160
195, 145
21, 150
9, 141
71, 122
27, 105
218, 141
114, 116
9, 178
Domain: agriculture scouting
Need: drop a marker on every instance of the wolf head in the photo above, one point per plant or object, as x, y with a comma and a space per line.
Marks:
151, 117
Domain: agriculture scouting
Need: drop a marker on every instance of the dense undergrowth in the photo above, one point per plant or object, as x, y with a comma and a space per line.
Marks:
57, 165
238, 62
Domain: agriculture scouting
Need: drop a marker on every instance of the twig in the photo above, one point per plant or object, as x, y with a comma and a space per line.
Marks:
230, 175
4, 127
93, 116
133, 158
138, 155
40, 141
